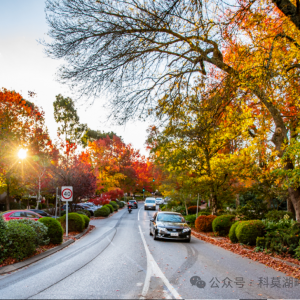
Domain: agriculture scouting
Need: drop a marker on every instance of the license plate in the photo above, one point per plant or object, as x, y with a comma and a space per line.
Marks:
174, 234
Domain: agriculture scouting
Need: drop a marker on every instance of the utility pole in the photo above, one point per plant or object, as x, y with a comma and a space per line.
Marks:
197, 206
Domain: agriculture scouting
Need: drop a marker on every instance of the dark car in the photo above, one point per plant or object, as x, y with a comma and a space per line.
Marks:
170, 225
41, 212
133, 203
72, 207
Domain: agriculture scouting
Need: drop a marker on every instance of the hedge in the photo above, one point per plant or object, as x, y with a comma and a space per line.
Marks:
248, 231
232, 235
222, 224
21, 239
104, 211
114, 205
55, 230
121, 204
85, 212
40, 230
3, 240
110, 207
86, 221
276, 215
75, 222
204, 223
193, 209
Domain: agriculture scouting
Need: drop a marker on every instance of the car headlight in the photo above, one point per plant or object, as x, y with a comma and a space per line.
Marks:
186, 230
162, 229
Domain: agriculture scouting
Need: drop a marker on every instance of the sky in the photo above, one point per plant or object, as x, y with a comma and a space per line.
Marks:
25, 67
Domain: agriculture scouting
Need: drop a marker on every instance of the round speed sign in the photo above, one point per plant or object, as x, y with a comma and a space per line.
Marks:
66, 194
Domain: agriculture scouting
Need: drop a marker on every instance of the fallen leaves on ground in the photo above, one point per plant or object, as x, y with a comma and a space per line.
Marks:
248, 251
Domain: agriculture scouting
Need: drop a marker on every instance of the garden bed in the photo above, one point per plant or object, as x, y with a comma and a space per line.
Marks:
283, 263
41, 249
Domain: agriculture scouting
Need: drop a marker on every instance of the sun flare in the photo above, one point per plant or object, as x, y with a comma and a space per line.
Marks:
22, 153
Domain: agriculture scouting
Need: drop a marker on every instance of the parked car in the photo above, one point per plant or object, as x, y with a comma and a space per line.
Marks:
170, 225
133, 203
20, 214
159, 201
41, 212
91, 207
72, 207
150, 203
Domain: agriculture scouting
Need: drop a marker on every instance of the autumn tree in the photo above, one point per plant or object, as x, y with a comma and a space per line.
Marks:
22, 126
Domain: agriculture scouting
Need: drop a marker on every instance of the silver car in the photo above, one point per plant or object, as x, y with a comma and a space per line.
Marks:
150, 203
159, 201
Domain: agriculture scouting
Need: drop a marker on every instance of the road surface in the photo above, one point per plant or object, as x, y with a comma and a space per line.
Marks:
119, 259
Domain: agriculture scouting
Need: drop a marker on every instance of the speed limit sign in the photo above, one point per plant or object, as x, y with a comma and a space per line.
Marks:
67, 193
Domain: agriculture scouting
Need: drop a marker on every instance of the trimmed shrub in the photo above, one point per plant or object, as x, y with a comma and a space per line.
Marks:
248, 231
121, 204
276, 215
253, 210
21, 239
84, 212
191, 219
3, 240
75, 222
104, 211
204, 223
40, 230
86, 221
110, 207
232, 235
222, 224
114, 205
260, 242
55, 230
193, 209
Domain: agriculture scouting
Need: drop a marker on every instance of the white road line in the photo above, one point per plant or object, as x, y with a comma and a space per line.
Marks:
139, 214
154, 270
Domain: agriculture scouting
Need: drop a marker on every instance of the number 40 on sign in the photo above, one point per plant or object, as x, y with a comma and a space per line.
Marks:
67, 193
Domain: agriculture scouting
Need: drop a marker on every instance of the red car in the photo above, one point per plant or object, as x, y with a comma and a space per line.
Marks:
20, 214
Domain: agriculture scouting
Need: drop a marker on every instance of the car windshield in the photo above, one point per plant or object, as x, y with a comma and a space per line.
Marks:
170, 218
150, 201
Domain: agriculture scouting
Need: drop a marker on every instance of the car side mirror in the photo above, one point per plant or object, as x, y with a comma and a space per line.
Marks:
152, 220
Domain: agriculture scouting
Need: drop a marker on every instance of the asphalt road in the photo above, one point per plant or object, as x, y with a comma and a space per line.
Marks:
119, 259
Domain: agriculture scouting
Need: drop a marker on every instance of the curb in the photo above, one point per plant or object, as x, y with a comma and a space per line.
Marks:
278, 259
29, 261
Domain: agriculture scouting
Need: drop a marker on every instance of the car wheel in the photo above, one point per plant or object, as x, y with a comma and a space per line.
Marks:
188, 241
154, 236
150, 232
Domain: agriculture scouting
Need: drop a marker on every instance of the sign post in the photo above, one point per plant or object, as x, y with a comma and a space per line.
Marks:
67, 196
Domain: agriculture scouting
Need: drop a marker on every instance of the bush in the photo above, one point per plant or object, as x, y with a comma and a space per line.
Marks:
3, 240
75, 222
232, 235
40, 230
16, 205
276, 215
86, 221
85, 212
222, 224
193, 209
260, 242
110, 207
248, 231
114, 205
121, 204
191, 219
42, 206
253, 210
55, 230
104, 211
204, 223
21, 239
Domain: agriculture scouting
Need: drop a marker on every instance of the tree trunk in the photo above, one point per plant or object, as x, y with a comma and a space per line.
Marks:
7, 197
295, 199
214, 203
290, 206
237, 201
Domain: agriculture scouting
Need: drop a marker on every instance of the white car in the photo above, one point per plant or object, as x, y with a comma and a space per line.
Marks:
150, 203
159, 201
